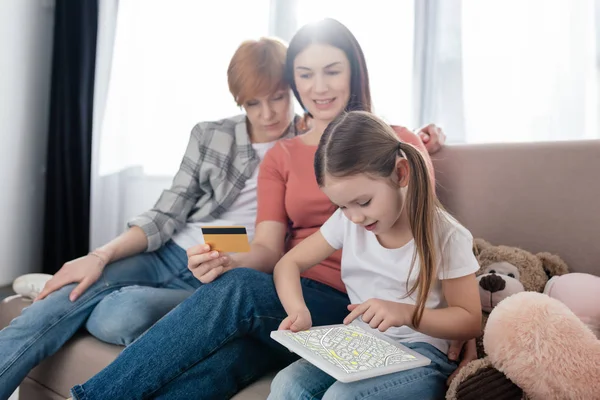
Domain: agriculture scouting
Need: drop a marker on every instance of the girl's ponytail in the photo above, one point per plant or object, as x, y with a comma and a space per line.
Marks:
422, 209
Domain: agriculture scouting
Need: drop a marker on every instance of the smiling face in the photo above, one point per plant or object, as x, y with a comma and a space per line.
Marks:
375, 203
269, 115
322, 77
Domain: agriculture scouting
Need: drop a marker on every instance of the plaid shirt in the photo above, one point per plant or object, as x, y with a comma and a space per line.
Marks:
218, 160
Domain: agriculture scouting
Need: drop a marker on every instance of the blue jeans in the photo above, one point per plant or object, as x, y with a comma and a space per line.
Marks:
122, 316
43, 327
302, 380
213, 344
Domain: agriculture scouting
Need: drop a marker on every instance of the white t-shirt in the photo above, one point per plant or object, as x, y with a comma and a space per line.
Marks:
370, 270
241, 213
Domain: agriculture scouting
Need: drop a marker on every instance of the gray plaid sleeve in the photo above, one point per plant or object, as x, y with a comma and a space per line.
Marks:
173, 206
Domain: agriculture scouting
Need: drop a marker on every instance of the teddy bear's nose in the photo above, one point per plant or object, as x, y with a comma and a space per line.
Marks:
492, 283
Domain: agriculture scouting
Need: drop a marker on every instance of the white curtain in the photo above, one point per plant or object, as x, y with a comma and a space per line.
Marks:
438, 67
511, 70
486, 71
161, 69
103, 209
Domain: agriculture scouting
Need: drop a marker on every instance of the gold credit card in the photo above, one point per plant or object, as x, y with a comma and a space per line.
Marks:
226, 239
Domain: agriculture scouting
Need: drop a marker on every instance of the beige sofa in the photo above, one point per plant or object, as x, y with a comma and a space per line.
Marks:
542, 197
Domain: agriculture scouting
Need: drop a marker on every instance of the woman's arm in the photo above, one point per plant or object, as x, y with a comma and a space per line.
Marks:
87, 269
172, 208
268, 244
265, 250
129, 243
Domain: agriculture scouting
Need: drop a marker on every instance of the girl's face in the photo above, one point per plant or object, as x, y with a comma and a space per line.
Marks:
376, 203
322, 77
269, 115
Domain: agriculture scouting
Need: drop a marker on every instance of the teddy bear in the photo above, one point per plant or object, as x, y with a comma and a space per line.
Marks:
504, 271
549, 344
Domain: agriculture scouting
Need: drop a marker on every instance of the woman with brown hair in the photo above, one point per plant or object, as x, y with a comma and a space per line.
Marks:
217, 341
120, 289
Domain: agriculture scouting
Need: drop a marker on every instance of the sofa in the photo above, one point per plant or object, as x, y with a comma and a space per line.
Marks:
538, 196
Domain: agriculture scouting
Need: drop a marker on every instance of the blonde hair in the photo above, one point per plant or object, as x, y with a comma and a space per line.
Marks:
257, 68
358, 142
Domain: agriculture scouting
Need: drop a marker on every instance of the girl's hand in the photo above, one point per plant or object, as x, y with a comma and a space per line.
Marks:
465, 351
207, 265
381, 314
297, 321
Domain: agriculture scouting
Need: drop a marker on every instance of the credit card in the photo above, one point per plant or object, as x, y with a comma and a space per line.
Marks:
227, 239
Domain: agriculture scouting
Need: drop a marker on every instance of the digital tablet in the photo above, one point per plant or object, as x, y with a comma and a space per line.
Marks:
350, 353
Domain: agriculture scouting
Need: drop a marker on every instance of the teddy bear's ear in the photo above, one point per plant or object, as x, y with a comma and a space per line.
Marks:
479, 245
553, 264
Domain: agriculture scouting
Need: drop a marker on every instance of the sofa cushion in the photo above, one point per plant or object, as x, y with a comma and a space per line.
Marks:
75, 363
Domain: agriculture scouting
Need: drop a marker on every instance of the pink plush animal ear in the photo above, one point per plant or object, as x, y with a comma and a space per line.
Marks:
540, 345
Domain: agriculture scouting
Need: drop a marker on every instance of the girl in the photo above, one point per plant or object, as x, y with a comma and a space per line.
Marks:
408, 267
217, 341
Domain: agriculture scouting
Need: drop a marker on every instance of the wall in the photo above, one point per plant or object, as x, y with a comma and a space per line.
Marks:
597, 19
26, 30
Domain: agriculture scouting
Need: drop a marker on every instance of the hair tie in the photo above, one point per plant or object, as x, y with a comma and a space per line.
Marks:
400, 151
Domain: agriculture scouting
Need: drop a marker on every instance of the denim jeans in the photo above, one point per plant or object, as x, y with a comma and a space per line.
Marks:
304, 381
212, 344
122, 316
44, 326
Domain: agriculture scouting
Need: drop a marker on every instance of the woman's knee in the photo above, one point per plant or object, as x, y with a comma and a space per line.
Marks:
122, 316
245, 275
242, 283
110, 320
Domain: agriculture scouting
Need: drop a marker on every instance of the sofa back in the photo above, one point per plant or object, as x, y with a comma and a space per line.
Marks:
537, 196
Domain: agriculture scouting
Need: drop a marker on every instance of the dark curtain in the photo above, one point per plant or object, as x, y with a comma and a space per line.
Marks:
67, 206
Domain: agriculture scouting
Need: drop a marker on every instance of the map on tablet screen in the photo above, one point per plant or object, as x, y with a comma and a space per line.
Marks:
349, 352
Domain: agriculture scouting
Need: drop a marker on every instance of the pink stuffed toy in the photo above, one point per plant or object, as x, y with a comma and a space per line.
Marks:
581, 293
546, 345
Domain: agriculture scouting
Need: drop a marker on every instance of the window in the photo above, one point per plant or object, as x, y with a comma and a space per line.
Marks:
507, 70
168, 73
529, 70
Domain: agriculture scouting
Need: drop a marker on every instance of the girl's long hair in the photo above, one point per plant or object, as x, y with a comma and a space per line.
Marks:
358, 142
